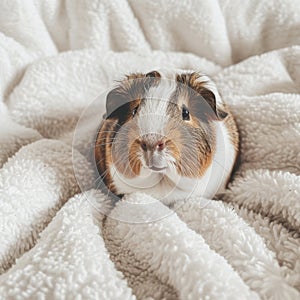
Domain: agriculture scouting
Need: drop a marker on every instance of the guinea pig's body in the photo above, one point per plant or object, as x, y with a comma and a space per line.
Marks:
168, 135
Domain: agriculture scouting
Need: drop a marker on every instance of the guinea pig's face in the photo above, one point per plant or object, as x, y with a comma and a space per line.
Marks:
161, 124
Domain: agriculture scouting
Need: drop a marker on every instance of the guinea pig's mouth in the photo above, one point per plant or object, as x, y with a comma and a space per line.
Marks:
156, 169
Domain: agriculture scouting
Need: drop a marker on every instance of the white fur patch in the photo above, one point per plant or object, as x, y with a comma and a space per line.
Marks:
153, 114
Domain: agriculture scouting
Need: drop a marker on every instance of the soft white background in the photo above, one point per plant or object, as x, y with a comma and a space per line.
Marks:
56, 56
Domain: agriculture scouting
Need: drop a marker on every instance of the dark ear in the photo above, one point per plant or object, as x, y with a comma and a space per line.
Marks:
114, 101
121, 96
215, 112
121, 100
153, 74
152, 79
203, 105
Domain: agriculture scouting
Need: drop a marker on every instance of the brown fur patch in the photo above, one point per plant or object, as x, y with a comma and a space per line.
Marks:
134, 162
153, 74
102, 152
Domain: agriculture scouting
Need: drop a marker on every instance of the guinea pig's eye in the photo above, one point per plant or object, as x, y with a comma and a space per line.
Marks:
134, 111
185, 113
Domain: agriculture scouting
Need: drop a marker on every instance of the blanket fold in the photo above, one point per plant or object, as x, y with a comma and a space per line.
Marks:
62, 239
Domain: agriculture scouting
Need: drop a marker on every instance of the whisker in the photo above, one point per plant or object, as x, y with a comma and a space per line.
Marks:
112, 177
99, 161
103, 174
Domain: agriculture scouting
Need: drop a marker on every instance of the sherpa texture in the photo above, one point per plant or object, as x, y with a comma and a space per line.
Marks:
56, 241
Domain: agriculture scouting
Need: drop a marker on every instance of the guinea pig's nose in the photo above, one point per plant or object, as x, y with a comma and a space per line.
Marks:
158, 145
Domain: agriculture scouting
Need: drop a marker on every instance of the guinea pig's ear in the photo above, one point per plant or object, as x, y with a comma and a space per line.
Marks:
214, 111
152, 78
153, 74
114, 100
222, 114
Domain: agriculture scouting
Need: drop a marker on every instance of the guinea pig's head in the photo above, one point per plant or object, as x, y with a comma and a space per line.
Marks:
160, 123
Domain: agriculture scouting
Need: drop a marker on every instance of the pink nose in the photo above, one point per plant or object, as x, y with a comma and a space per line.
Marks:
159, 145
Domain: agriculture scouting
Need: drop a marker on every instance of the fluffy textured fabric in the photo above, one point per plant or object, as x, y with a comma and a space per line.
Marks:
60, 242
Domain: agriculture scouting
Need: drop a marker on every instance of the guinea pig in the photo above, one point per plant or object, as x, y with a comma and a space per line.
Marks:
167, 134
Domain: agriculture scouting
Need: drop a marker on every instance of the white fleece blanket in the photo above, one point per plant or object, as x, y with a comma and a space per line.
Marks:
56, 57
